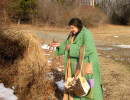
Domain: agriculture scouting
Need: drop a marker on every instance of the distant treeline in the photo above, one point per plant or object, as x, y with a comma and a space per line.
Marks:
117, 10
59, 12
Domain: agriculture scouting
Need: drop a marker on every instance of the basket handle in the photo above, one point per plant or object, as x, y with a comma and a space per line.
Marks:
80, 71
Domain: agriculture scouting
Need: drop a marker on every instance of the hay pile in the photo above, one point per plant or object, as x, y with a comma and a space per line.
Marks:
22, 65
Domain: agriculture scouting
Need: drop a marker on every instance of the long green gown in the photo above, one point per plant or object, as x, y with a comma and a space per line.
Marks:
84, 37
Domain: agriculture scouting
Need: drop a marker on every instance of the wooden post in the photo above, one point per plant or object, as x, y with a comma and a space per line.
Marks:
93, 3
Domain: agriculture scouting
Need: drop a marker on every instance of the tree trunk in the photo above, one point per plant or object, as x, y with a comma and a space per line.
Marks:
19, 21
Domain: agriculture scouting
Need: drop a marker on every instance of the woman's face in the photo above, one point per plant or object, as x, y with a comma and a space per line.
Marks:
74, 29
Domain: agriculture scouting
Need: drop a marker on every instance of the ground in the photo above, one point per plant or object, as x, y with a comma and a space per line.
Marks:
114, 60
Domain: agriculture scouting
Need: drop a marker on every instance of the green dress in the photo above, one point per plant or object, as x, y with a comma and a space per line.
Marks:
84, 37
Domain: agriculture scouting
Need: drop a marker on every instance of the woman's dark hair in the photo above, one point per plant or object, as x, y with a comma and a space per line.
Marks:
76, 22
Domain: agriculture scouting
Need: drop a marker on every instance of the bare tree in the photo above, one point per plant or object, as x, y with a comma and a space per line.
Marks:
115, 9
4, 6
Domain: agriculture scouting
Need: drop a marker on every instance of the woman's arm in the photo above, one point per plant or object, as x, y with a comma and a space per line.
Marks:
61, 49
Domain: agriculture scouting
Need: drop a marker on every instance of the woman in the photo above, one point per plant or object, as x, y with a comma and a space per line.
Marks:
71, 49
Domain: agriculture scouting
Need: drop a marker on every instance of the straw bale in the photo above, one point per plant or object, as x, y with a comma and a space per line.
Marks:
43, 88
12, 47
22, 65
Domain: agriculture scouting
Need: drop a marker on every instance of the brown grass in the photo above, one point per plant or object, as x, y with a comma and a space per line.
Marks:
115, 78
28, 27
106, 34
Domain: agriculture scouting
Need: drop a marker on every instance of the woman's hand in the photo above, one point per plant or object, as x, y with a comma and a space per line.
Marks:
68, 47
55, 45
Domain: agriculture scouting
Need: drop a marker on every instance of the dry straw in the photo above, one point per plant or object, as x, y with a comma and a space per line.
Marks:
22, 65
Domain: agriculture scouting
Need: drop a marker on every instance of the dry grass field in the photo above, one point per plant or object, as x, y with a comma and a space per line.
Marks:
103, 33
107, 33
115, 78
115, 74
